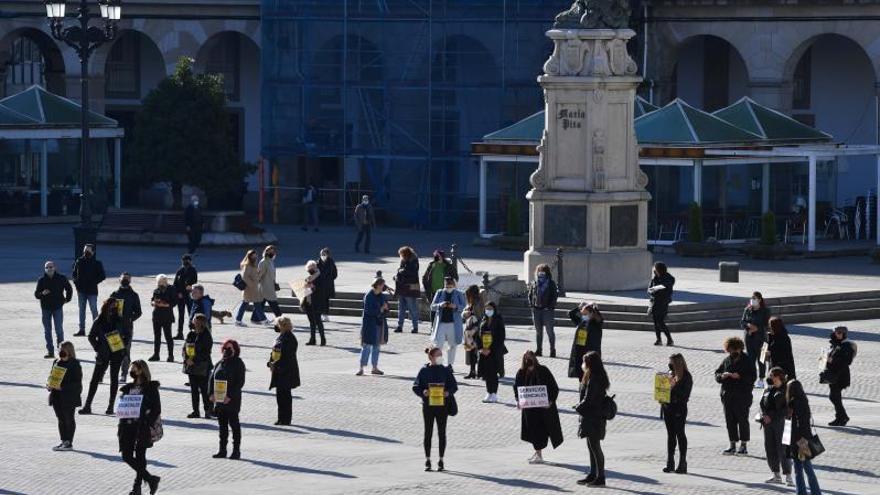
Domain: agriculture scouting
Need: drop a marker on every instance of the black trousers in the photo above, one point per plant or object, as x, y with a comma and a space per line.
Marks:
66, 421
98, 375
753, 351
364, 234
315, 323
430, 415
659, 318
776, 452
675, 420
490, 374
736, 415
597, 457
198, 385
227, 418
285, 405
835, 394
134, 453
194, 238
276, 310
182, 309
158, 330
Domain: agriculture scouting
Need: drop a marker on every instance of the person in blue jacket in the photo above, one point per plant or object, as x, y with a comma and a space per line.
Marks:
374, 327
448, 327
200, 303
435, 375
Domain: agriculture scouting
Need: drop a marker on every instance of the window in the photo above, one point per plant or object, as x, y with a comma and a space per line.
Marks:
223, 60
25, 67
800, 84
123, 71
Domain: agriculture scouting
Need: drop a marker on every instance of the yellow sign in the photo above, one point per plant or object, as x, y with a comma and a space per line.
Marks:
436, 393
190, 350
662, 388
114, 340
55, 377
276, 355
487, 340
581, 337
219, 391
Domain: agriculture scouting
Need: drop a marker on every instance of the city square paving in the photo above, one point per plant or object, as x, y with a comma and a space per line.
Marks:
363, 434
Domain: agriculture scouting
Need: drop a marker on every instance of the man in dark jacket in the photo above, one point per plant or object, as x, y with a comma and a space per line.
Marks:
836, 373
129, 311
87, 273
53, 291
194, 221
184, 279
364, 221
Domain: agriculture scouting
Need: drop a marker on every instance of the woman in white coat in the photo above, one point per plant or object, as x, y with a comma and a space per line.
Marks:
447, 307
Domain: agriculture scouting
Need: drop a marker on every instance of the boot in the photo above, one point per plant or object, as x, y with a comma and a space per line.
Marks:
153, 483
670, 464
236, 451
323, 340
221, 454
682, 467
599, 481
589, 479
312, 338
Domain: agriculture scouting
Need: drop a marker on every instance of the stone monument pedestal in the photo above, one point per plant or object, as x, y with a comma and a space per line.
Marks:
588, 195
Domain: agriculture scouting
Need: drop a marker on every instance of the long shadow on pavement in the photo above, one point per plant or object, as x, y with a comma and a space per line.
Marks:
298, 469
211, 425
348, 434
118, 458
853, 430
533, 485
757, 486
10, 492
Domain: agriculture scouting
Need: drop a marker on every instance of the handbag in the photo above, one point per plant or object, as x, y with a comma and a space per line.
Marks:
451, 405
239, 282
814, 443
156, 430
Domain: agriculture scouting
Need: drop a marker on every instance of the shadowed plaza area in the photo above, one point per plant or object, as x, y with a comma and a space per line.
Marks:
363, 434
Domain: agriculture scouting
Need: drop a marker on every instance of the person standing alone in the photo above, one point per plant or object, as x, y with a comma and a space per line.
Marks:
364, 221
53, 291
185, 278
660, 292
310, 208
195, 222
87, 273
542, 300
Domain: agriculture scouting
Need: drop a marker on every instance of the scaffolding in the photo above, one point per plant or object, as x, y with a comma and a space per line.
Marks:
387, 95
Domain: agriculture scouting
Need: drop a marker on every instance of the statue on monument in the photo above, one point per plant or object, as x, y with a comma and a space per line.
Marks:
594, 14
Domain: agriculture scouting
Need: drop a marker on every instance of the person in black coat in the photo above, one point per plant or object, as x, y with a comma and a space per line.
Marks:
229, 372
754, 322
328, 267
135, 434
67, 396
108, 342
773, 413
801, 434
407, 288
197, 364
836, 373
779, 351
538, 425
284, 368
87, 273
660, 291
435, 374
736, 374
314, 304
491, 349
184, 279
591, 408
131, 311
54, 291
195, 223
675, 413
163, 300
587, 336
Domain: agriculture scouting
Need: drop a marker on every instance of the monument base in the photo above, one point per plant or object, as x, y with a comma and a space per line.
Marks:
588, 271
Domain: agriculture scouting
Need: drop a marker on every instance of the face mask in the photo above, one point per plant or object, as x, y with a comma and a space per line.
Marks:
133, 375
270, 255
366, 202
125, 282
449, 290
324, 257
50, 271
277, 330
584, 368
756, 303
87, 254
312, 271
196, 204
227, 352
542, 276
490, 313
62, 354
671, 368
186, 262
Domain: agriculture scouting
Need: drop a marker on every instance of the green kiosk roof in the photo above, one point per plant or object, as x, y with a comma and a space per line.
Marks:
43, 108
679, 124
768, 123
9, 117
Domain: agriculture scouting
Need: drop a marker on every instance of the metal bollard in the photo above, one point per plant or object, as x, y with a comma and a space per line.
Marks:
560, 281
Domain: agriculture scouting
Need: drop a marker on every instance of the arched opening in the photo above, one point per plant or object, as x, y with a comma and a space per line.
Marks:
133, 67
28, 57
709, 73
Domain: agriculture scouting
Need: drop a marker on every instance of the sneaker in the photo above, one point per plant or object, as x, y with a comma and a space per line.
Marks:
398, 330
81, 333
494, 398
58, 447
742, 450
788, 480
440, 466
669, 343
759, 383
154, 357
65, 447
536, 459
488, 398
730, 451
658, 342
360, 373
193, 415
325, 317
414, 330
239, 323
775, 479
377, 371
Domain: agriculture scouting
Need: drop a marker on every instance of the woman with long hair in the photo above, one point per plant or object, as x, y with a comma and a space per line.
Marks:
593, 389
538, 425
587, 336
773, 413
109, 347
163, 317
779, 351
675, 413
472, 316
251, 294
224, 389
801, 434
135, 433
407, 288
197, 364
660, 294
436, 386
491, 348
311, 302
65, 394
754, 323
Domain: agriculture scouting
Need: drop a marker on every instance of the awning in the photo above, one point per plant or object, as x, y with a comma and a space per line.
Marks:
770, 124
38, 114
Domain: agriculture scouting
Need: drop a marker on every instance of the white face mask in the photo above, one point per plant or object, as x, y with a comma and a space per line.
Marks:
449, 290
366, 202
490, 313
323, 257
584, 368
756, 303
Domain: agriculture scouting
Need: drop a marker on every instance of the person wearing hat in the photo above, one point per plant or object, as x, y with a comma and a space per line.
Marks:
184, 279
447, 306
364, 221
374, 328
284, 368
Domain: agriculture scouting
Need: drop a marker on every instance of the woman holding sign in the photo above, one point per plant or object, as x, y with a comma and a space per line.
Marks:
536, 391
139, 410
284, 368
594, 385
109, 350
436, 386
587, 336
225, 386
491, 349
65, 389
197, 363
675, 413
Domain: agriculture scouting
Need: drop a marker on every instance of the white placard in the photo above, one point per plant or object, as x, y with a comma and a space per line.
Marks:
786, 433
129, 406
534, 396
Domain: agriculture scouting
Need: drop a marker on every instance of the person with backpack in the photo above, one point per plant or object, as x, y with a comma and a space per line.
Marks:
137, 434
224, 391
129, 306
660, 291
754, 322
66, 394
106, 339
542, 296
435, 408
801, 435
197, 364
591, 408
587, 336
538, 425
773, 413
186, 277
448, 326
836, 373
675, 413
87, 274
736, 374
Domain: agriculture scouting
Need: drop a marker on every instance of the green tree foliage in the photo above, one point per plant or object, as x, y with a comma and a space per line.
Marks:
182, 136
768, 228
695, 223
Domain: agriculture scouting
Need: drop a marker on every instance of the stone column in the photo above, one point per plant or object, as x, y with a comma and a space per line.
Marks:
588, 194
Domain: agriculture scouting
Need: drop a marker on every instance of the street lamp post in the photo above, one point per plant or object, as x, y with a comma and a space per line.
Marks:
84, 39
